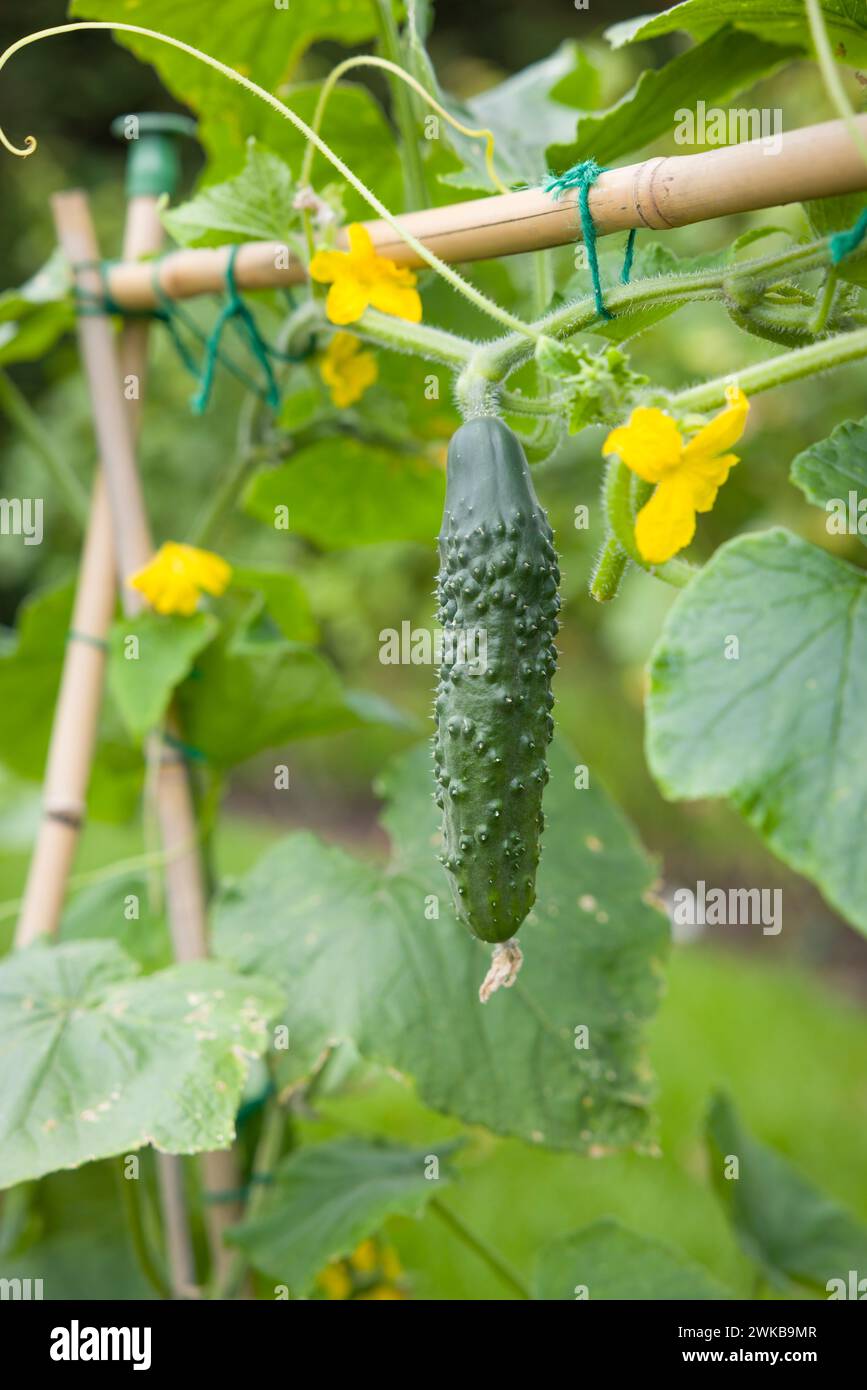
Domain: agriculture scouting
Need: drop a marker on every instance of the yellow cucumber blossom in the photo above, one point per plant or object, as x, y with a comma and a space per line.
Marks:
174, 580
346, 371
360, 279
687, 476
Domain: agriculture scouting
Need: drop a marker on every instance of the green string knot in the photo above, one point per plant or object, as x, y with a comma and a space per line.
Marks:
842, 243
582, 176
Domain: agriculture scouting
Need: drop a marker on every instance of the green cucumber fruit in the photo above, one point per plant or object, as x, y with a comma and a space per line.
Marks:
498, 579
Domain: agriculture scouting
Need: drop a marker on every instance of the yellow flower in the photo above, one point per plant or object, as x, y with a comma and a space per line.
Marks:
360, 278
334, 1281
382, 1291
688, 476
174, 580
347, 372
366, 1258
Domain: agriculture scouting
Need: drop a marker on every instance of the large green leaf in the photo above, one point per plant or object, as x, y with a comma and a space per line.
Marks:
143, 676
34, 316
263, 42
255, 205
780, 21
327, 1198
534, 108
249, 693
785, 1224
835, 467
611, 1262
119, 908
777, 730
283, 597
593, 950
726, 63
354, 126
342, 492
95, 1061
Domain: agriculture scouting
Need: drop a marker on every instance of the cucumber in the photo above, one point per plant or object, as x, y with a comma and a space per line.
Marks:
498, 577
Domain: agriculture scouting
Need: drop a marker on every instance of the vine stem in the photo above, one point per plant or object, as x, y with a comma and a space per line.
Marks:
21, 414
776, 371
264, 1161
135, 1227
491, 1257
413, 169
400, 74
458, 283
830, 75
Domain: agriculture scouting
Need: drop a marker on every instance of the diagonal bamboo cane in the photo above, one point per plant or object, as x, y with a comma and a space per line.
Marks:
76, 719
185, 889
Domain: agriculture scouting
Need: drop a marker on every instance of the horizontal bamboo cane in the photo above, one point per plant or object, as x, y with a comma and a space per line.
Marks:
814, 162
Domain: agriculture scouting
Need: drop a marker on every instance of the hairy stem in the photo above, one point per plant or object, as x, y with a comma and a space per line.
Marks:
608, 571
777, 371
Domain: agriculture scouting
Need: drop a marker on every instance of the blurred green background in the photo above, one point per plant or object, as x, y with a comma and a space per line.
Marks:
779, 1020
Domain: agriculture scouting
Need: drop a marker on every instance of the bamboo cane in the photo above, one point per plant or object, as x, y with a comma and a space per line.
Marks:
814, 162
185, 890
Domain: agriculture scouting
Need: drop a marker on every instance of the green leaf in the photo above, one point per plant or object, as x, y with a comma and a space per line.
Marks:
118, 909
725, 64
256, 205
343, 492
777, 731
611, 1262
780, 21
326, 1199
302, 400
831, 470
593, 949
35, 316
97, 1062
354, 126
166, 647
262, 42
530, 110
284, 597
251, 693
785, 1224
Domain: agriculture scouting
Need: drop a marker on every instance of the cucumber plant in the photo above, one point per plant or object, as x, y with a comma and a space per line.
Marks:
330, 972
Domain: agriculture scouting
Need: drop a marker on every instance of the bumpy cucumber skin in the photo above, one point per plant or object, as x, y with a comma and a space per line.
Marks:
498, 573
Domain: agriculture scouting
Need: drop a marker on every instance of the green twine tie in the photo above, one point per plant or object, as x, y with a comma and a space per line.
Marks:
842, 243
582, 176
234, 309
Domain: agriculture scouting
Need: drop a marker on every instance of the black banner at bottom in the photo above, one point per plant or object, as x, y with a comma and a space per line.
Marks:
83, 1340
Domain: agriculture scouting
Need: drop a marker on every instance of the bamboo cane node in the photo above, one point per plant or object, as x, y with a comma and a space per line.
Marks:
63, 816
644, 195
